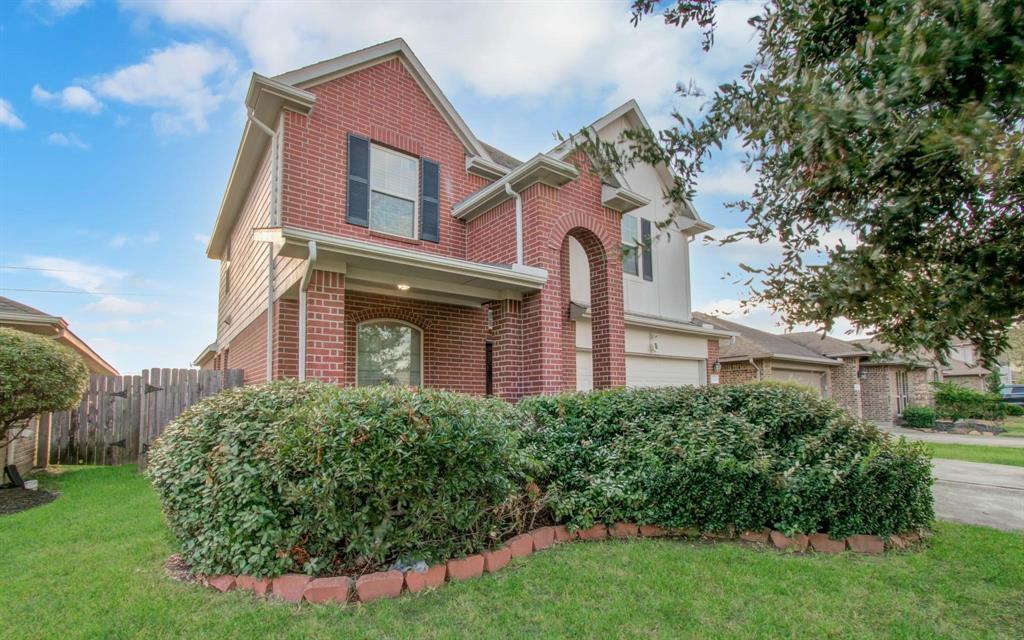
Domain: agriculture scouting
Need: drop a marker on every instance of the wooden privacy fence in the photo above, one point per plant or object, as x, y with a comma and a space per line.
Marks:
121, 415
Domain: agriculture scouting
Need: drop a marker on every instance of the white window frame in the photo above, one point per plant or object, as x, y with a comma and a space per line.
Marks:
639, 277
416, 331
401, 196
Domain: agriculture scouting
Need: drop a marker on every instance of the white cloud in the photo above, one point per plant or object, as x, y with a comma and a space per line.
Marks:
8, 118
184, 82
736, 183
78, 275
201, 238
73, 98
65, 7
498, 50
119, 306
121, 240
66, 140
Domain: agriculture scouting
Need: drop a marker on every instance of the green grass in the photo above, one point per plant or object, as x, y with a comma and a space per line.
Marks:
1014, 427
90, 565
978, 453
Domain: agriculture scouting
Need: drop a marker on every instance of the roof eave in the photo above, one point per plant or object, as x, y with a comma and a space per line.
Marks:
540, 168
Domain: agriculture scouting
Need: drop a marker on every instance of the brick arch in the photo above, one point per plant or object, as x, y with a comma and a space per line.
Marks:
581, 225
389, 313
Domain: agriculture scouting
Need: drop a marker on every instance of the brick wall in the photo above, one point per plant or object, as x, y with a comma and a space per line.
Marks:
453, 338
248, 351
740, 372
325, 327
878, 393
971, 382
713, 352
922, 393
286, 338
385, 104
845, 385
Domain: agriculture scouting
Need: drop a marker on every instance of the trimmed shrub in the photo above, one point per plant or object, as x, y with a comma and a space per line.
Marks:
919, 417
307, 477
37, 375
752, 455
954, 402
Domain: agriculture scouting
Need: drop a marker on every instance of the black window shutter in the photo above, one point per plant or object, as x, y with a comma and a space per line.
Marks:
648, 254
358, 211
430, 189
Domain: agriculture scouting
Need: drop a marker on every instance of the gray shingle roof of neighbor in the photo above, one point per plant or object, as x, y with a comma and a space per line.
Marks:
501, 157
754, 343
10, 307
827, 345
961, 368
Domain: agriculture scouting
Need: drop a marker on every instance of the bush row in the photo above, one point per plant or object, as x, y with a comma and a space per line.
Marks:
308, 477
955, 402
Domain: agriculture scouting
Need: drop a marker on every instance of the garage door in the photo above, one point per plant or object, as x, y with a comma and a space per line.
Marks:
812, 379
645, 371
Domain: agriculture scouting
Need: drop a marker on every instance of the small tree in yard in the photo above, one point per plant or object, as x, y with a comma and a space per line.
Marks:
37, 375
898, 121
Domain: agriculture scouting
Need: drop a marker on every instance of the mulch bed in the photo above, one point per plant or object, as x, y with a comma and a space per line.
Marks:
13, 500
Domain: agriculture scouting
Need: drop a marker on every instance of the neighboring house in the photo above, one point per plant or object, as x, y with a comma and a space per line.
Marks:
22, 452
759, 355
965, 369
367, 236
859, 375
873, 383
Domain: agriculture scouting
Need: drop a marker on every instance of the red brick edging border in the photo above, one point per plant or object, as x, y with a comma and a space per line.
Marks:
295, 587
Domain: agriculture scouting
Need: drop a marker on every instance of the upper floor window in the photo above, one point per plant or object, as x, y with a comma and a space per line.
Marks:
389, 352
394, 184
637, 250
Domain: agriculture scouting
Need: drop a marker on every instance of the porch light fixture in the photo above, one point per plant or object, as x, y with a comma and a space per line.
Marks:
717, 367
403, 287
862, 374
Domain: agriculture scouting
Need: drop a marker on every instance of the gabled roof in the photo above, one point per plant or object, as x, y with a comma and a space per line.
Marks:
885, 354
12, 310
327, 70
959, 368
754, 343
630, 110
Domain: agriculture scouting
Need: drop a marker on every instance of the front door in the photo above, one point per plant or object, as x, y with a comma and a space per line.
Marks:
902, 392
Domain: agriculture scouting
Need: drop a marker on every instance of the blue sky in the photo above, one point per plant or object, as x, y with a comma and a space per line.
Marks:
119, 123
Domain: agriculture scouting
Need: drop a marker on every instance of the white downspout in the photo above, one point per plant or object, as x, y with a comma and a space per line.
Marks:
306, 277
760, 374
519, 222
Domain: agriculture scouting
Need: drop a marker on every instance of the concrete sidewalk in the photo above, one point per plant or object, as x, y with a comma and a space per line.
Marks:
990, 495
952, 438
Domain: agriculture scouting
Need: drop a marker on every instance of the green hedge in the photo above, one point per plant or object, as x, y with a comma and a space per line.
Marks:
954, 402
919, 417
307, 477
751, 455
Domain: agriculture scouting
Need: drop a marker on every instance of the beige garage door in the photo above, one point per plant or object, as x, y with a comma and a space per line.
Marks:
647, 371
812, 379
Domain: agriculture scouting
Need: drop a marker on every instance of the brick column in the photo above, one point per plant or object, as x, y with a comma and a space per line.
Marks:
608, 323
325, 327
713, 355
506, 337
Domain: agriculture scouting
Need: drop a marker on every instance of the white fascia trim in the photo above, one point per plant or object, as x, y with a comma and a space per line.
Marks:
327, 70
210, 350
539, 168
30, 319
517, 275
622, 199
781, 356
673, 325
485, 168
265, 99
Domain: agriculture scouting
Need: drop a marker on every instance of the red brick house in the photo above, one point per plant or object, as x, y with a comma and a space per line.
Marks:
367, 236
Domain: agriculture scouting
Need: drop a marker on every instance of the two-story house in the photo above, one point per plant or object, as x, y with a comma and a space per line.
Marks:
366, 236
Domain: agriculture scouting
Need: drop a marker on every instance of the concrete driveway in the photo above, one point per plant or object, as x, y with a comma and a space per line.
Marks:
990, 495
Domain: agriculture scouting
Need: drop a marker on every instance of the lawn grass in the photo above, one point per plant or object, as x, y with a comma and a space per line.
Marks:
90, 565
978, 453
1014, 427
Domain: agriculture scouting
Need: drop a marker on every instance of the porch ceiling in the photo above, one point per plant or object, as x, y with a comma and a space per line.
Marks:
381, 269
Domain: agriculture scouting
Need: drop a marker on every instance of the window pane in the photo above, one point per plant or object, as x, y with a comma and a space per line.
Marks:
630, 252
393, 172
388, 353
392, 215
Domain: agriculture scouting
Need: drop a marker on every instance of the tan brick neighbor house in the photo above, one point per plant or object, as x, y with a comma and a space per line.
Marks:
15, 315
366, 236
854, 373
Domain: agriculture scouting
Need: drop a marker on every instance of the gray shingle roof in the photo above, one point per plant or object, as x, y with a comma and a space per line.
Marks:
827, 345
754, 343
10, 307
501, 157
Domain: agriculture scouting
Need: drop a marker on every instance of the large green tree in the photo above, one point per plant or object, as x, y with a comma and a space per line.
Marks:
899, 121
